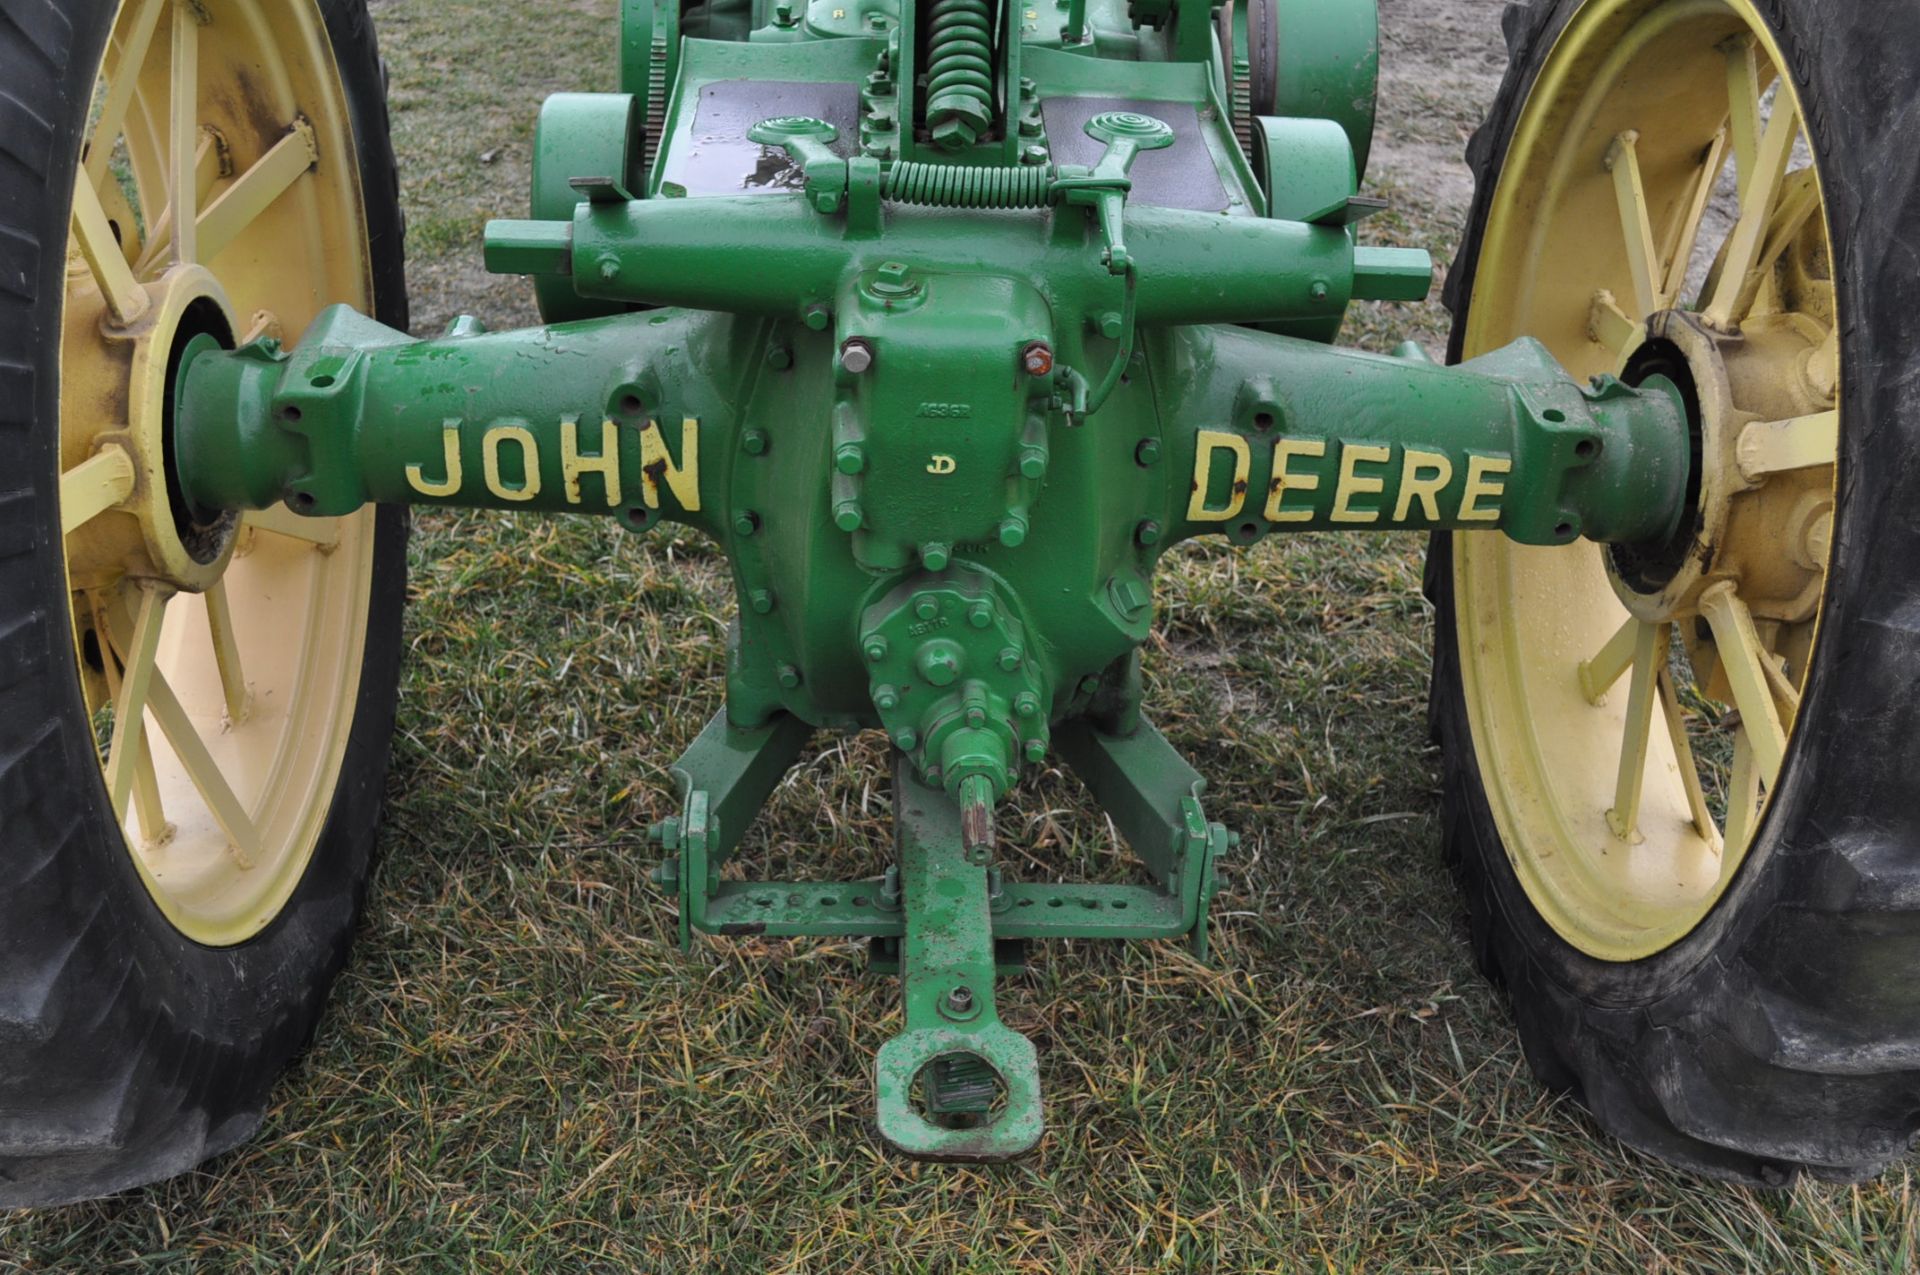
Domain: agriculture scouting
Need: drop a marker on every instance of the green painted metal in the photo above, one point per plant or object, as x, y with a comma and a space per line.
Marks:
945, 360
1325, 59
583, 135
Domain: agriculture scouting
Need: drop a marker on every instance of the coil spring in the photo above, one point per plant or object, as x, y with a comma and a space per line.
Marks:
959, 72
952, 186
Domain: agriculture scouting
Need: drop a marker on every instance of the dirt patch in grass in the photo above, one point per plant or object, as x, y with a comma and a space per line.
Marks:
521, 1072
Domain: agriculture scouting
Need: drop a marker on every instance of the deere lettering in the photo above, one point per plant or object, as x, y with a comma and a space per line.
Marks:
1370, 483
511, 464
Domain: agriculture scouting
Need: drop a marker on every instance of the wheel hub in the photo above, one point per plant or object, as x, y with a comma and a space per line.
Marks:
162, 540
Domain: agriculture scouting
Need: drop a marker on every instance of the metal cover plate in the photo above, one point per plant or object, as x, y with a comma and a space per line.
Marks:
1181, 176
714, 157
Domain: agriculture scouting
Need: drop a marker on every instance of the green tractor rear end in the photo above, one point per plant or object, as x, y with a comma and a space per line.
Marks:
947, 320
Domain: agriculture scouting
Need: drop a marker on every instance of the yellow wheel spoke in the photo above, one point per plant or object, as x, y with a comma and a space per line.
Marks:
1609, 325
1683, 755
1743, 796
1623, 160
1743, 103
257, 189
322, 533
207, 162
94, 486
1745, 661
1743, 251
154, 828
226, 653
122, 80
1778, 447
1598, 674
183, 132
139, 663
1649, 662
1686, 234
126, 299
203, 770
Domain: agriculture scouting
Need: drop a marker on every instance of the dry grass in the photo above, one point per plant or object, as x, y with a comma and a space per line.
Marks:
520, 1072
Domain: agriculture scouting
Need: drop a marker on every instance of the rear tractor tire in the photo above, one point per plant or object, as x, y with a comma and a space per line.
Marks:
195, 710
1680, 779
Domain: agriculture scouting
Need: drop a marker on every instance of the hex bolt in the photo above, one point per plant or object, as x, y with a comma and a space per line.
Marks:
746, 522
935, 555
1034, 155
1028, 705
1111, 324
1089, 684
976, 717
940, 663
856, 355
850, 458
789, 676
1033, 462
1147, 454
779, 358
980, 614
1037, 359
1013, 531
886, 698
761, 600
926, 606
876, 648
905, 741
848, 516
754, 442
1036, 751
816, 317
890, 889
1008, 659
1147, 533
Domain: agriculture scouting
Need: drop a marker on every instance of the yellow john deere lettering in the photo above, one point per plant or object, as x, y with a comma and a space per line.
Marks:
513, 460
1366, 478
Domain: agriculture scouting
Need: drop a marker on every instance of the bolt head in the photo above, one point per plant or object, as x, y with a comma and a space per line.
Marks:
1028, 705
779, 358
886, 698
1037, 359
1147, 533
1013, 532
1036, 751
1033, 463
1319, 291
960, 1000
976, 717
905, 741
746, 522
1009, 660
1112, 324
754, 442
850, 458
789, 676
980, 614
1089, 684
856, 355
816, 317
926, 606
761, 600
935, 556
849, 517
876, 648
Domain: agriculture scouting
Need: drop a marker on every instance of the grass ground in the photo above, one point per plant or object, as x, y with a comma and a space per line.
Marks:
520, 1071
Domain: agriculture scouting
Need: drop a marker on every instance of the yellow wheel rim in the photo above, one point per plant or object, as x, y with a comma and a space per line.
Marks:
1657, 203
221, 658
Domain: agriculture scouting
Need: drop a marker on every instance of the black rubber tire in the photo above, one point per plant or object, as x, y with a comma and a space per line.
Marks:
127, 1052
1783, 1035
